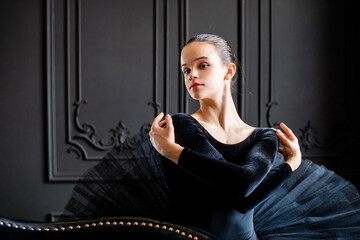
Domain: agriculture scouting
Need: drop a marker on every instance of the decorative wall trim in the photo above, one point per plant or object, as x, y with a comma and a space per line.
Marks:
242, 89
265, 62
86, 127
183, 37
50, 65
86, 130
76, 129
166, 55
264, 22
269, 122
155, 103
309, 139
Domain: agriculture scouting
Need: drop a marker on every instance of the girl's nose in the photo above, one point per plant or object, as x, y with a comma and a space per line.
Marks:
193, 75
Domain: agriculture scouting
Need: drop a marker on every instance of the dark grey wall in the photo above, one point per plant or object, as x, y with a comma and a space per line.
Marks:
301, 68
70, 71
23, 138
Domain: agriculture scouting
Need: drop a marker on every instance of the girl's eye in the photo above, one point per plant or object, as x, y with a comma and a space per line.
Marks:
186, 71
204, 65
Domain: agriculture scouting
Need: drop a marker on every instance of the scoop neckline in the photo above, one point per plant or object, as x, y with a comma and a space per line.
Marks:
226, 144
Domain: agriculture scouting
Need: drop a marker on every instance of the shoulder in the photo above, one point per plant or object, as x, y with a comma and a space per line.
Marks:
180, 116
186, 127
183, 120
265, 134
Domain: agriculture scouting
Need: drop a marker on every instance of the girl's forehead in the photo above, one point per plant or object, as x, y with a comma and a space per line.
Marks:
199, 47
195, 50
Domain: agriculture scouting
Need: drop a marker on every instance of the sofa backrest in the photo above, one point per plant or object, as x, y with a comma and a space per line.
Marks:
103, 228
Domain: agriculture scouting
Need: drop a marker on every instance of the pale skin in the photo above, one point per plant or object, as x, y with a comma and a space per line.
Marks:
208, 80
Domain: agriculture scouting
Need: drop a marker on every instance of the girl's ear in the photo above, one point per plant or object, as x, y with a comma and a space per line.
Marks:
231, 70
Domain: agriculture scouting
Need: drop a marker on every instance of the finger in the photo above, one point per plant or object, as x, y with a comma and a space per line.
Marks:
169, 122
284, 139
288, 131
281, 150
157, 119
162, 123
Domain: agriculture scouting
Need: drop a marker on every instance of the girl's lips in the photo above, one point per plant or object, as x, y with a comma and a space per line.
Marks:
195, 85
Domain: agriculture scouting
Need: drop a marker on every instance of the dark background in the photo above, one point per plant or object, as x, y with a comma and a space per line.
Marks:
70, 71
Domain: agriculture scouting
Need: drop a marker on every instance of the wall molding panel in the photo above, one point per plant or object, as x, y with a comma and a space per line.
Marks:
84, 146
69, 46
293, 83
260, 35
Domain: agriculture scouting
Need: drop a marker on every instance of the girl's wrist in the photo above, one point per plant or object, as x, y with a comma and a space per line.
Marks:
294, 162
173, 153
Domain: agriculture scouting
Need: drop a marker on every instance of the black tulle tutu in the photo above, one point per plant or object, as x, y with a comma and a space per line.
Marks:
313, 203
129, 181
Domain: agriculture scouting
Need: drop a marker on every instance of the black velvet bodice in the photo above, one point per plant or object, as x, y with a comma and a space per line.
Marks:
215, 186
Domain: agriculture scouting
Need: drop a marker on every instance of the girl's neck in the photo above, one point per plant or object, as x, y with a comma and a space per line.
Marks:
219, 112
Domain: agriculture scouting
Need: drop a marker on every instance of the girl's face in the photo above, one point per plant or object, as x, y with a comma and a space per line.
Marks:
203, 69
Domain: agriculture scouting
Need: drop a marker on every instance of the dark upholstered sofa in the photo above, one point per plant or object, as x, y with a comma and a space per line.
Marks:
135, 228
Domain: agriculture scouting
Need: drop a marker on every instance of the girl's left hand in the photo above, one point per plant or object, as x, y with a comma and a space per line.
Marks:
291, 149
162, 137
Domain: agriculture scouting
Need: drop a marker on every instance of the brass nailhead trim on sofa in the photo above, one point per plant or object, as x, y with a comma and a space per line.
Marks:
100, 223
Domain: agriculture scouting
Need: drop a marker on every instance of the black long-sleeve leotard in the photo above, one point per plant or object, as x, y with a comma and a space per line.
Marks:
215, 185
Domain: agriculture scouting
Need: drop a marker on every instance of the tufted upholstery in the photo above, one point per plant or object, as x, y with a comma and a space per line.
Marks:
135, 228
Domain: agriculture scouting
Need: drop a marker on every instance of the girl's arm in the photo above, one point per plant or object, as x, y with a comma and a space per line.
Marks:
238, 181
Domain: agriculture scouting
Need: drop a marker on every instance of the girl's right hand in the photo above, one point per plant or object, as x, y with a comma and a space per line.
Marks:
291, 149
162, 137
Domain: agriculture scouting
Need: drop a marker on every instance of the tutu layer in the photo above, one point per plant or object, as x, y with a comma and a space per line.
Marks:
130, 181
313, 203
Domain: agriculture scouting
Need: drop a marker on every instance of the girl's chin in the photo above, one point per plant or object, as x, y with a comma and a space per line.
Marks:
198, 95
195, 96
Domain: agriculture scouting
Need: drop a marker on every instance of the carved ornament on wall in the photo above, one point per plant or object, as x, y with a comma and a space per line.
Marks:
340, 134
121, 136
309, 139
270, 106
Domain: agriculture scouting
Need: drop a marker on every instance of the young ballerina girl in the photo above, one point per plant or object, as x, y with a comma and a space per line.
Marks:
222, 168
217, 146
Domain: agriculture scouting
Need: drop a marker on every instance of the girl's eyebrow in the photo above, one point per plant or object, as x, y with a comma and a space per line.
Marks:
195, 60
